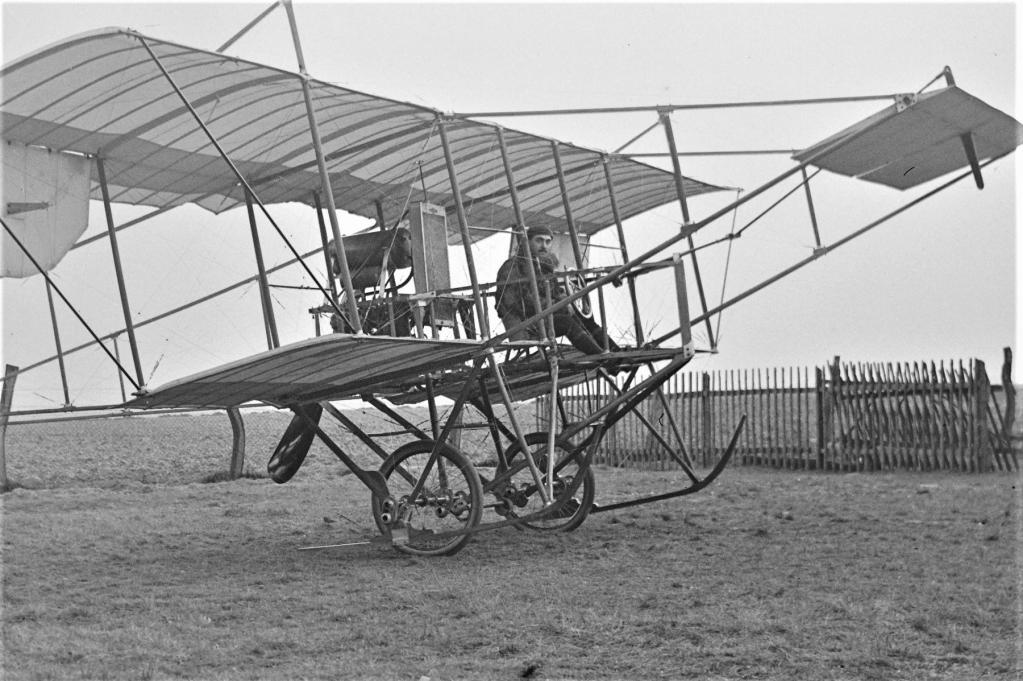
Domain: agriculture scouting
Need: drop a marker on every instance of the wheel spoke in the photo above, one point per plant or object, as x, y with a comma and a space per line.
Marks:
449, 501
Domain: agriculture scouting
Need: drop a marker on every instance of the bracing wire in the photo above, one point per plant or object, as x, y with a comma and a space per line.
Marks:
67, 302
728, 263
403, 213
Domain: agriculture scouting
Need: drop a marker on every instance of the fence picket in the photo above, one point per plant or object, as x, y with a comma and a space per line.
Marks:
884, 418
852, 417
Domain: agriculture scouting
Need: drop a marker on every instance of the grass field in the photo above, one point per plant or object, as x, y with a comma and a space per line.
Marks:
118, 563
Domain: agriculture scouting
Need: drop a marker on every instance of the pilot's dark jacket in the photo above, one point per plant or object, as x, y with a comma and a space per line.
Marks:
514, 291
516, 303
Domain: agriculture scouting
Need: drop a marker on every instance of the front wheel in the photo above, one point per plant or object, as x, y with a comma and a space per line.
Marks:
524, 498
451, 499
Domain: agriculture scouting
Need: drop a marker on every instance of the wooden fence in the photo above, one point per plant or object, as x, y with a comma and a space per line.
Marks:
848, 417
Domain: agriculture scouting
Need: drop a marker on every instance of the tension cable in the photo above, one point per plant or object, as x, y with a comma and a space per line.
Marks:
728, 262
71, 307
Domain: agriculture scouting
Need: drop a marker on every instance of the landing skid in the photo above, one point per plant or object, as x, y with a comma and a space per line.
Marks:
691, 489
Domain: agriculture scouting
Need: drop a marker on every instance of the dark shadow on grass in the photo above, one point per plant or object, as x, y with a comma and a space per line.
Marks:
226, 476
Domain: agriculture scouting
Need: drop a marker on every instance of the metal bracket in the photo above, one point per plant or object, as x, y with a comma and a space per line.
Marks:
904, 101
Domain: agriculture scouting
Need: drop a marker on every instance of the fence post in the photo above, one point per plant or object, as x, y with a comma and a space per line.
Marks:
983, 453
6, 397
1010, 395
238, 442
823, 415
706, 416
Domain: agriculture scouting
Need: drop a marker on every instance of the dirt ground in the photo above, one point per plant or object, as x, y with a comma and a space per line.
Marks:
765, 575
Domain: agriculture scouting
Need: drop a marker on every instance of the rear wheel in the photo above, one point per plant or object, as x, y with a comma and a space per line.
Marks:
524, 497
451, 499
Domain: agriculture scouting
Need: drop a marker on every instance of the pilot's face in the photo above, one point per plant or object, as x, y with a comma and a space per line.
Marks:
540, 244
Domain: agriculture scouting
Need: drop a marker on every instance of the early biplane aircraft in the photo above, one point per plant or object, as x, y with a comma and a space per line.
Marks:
129, 118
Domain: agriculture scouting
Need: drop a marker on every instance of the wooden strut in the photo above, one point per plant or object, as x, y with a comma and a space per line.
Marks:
702, 484
620, 230
453, 416
623, 269
614, 411
548, 330
354, 428
237, 36
120, 378
463, 227
431, 396
823, 250
682, 461
321, 163
238, 174
49, 281
123, 226
547, 324
813, 213
573, 233
395, 416
269, 323
168, 313
680, 190
6, 397
676, 107
729, 152
370, 478
119, 273
326, 245
56, 342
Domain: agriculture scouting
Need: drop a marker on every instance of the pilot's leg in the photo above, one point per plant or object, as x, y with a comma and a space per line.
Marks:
598, 333
570, 325
512, 320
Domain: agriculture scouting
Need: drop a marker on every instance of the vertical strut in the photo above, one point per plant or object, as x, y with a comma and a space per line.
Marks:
129, 326
577, 250
431, 395
78, 316
120, 378
684, 324
548, 323
495, 369
328, 193
463, 227
270, 324
637, 322
326, 245
56, 341
813, 213
234, 169
681, 191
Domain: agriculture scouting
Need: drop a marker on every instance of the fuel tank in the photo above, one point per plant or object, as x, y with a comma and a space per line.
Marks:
365, 255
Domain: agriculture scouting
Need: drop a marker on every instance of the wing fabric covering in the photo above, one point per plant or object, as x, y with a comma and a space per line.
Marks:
330, 367
903, 147
45, 202
101, 93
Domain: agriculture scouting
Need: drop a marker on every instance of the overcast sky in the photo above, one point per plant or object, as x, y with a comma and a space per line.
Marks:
937, 283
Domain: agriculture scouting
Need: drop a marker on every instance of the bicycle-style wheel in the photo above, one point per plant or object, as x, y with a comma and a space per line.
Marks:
451, 499
525, 498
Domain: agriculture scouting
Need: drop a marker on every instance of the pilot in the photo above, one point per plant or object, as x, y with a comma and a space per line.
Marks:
515, 301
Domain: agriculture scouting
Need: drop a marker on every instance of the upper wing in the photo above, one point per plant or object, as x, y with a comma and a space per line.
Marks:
103, 93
